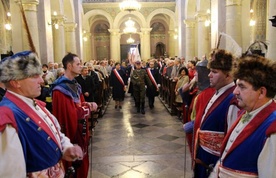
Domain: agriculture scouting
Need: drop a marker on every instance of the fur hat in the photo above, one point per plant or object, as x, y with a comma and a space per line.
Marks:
19, 66
222, 60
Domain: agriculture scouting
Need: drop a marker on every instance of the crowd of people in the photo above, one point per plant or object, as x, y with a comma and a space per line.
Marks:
229, 122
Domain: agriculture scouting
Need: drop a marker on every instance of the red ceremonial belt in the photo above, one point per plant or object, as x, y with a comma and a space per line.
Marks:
211, 140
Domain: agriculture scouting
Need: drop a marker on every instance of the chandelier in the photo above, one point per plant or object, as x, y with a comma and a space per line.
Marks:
130, 26
130, 5
130, 40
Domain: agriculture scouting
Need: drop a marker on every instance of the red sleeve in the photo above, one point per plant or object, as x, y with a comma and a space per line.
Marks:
6, 117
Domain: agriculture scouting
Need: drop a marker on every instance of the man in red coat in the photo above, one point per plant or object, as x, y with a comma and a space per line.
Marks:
72, 111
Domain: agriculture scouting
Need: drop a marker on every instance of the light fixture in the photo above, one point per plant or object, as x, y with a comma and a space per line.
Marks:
208, 21
130, 5
54, 23
130, 40
252, 22
130, 26
8, 26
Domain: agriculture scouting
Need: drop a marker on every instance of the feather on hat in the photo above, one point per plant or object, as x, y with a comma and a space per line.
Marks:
19, 66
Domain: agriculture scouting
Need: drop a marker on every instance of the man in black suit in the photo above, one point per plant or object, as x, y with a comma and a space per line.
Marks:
152, 90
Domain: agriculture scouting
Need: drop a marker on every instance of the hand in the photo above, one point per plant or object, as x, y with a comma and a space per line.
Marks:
185, 87
93, 106
73, 153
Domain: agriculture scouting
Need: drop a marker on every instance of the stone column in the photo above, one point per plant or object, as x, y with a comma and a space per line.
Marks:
172, 43
59, 45
87, 47
70, 36
145, 43
271, 31
233, 22
190, 38
30, 10
203, 34
115, 46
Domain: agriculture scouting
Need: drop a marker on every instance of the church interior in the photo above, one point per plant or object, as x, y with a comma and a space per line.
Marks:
126, 144
98, 29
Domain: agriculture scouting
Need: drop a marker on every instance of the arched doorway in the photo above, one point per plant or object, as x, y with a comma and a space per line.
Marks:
160, 50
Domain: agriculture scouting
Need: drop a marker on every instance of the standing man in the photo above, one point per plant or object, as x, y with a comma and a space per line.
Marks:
249, 146
72, 111
139, 79
32, 144
215, 117
154, 77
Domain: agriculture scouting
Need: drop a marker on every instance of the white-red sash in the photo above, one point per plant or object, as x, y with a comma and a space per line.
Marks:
119, 77
152, 78
160, 64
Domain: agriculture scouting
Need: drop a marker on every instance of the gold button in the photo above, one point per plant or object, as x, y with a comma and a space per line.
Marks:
57, 149
49, 138
28, 119
39, 128
39, 122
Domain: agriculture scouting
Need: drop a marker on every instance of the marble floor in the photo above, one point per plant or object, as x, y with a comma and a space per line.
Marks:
126, 144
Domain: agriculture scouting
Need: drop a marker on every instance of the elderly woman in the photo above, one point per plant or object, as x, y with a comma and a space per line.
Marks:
183, 79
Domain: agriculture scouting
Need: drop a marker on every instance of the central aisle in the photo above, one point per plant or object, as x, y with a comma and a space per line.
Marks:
126, 144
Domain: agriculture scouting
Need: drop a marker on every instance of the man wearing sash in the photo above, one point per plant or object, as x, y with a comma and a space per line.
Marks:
154, 77
118, 82
72, 111
213, 120
248, 150
32, 144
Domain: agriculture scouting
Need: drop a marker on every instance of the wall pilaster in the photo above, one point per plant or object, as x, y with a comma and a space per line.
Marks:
30, 10
203, 33
190, 38
70, 36
59, 45
115, 44
233, 22
87, 47
145, 43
